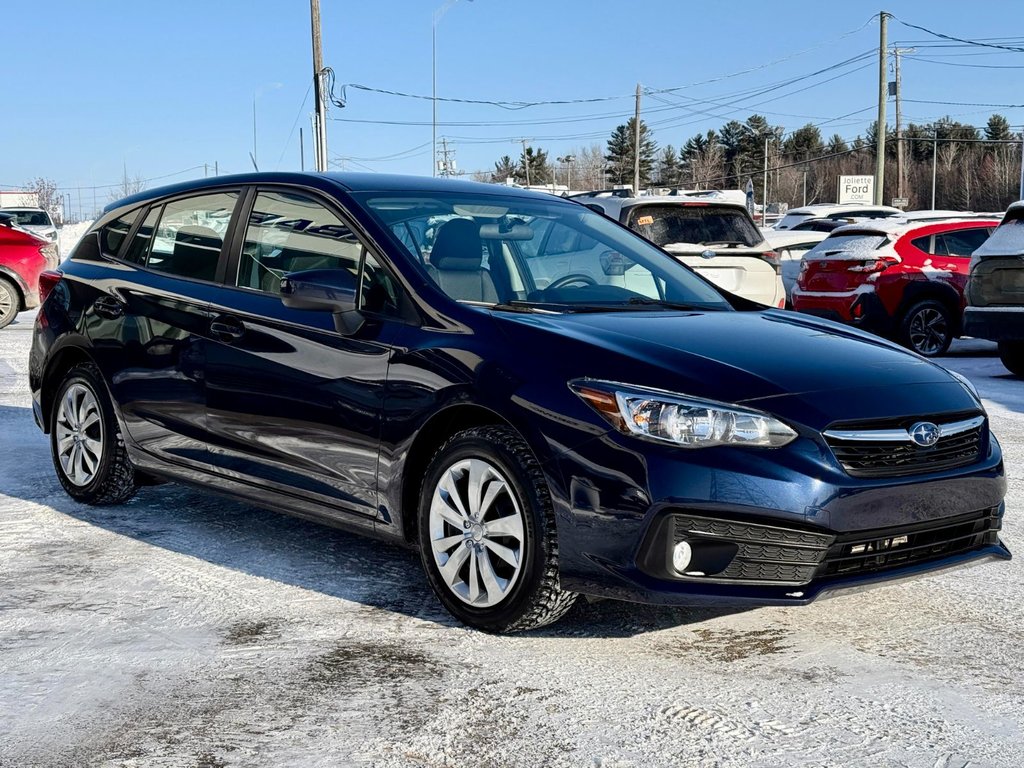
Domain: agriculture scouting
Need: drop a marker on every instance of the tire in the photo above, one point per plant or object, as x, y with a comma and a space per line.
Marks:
10, 302
1012, 355
86, 444
927, 328
518, 589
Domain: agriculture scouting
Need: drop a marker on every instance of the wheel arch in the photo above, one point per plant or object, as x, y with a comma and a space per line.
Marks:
932, 290
20, 288
59, 364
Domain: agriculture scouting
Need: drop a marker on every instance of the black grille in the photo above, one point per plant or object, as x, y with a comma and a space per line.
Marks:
864, 458
869, 551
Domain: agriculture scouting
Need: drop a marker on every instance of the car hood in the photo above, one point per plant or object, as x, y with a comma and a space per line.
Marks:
806, 370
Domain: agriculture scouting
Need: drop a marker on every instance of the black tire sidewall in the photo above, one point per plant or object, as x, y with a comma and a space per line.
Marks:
909, 316
520, 600
1011, 354
86, 375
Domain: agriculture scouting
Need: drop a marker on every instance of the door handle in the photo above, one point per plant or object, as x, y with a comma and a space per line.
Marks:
108, 307
227, 328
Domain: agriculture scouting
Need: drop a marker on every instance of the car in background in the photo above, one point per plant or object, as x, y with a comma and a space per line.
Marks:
819, 225
796, 216
35, 220
791, 246
995, 290
666, 443
900, 278
716, 238
23, 257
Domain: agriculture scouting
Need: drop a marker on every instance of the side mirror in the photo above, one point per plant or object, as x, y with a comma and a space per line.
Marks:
325, 290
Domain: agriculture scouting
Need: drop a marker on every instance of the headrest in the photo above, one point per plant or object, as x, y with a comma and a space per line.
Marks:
458, 247
201, 237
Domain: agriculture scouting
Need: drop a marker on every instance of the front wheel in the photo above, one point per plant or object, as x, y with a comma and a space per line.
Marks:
85, 439
1012, 355
927, 328
487, 533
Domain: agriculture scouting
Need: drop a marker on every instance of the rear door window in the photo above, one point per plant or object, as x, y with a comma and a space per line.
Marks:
138, 249
962, 242
189, 238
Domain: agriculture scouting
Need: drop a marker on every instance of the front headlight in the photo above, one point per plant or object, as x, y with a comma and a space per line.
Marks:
684, 421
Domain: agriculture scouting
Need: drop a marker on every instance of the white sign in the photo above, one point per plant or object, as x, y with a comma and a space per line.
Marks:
856, 189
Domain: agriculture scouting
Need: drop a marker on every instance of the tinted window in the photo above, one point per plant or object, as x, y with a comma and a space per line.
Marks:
694, 225
112, 235
138, 249
963, 242
190, 236
32, 218
293, 233
378, 291
923, 244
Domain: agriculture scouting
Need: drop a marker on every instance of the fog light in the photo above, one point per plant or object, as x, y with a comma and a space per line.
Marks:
681, 555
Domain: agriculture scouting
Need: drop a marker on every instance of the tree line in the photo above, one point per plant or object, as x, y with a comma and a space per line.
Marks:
975, 168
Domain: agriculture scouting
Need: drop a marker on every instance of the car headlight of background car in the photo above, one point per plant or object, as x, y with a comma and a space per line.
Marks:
681, 420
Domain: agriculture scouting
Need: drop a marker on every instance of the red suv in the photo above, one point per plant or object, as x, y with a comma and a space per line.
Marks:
22, 257
901, 278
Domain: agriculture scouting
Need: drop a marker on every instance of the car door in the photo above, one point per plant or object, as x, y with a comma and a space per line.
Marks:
150, 323
292, 404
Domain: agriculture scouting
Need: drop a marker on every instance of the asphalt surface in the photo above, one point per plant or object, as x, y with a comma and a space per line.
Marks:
185, 630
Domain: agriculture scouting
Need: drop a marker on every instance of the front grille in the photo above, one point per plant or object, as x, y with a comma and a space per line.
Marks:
870, 551
864, 457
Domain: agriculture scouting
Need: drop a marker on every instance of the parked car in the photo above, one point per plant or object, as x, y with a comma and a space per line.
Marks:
791, 245
23, 256
665, 443
819, 225
995, 290
900, 278
35, 220
716, 238
796, 216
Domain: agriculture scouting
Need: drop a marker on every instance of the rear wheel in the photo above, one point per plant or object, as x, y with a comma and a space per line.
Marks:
10, 302
1012, 355
927, 328
85, 439
487, 533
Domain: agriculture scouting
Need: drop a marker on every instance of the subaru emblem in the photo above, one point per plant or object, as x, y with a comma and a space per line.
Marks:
924, 434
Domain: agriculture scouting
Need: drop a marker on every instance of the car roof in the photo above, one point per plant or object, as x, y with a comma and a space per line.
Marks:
899, 226
633, 202
1006, 240
817, 209
350, 182
784, 237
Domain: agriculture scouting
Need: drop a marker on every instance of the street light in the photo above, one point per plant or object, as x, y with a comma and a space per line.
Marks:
433, 72
764, 188
568, 160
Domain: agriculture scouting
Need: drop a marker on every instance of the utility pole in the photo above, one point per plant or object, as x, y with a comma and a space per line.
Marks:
254, 155
764, 203
216, 167
883, 96
901, 170
935, 163
205, 174
636, 143
1021, 165
526, 161
302, 151
320, 121
447, 165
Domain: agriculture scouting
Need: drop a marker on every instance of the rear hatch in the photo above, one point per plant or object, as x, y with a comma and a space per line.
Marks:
843, 262
997, 267
719, 241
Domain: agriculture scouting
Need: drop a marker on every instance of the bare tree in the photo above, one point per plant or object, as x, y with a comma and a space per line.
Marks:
49, 198
130, 185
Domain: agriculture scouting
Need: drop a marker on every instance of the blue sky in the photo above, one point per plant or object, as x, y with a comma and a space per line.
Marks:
162, 88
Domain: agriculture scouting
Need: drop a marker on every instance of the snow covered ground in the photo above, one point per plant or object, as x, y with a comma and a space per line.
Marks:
186, 630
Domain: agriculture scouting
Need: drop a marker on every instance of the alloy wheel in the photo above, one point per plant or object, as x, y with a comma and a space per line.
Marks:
477, 532
79, 438
7, 301
928, 331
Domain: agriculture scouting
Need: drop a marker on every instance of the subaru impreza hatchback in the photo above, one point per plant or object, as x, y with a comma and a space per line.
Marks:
401, 357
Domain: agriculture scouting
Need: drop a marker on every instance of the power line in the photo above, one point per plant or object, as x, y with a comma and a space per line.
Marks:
965, 41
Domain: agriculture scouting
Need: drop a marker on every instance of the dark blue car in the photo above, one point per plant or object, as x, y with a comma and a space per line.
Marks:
539, 400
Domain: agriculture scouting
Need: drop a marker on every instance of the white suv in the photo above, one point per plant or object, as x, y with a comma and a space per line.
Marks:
716, 238
832, 211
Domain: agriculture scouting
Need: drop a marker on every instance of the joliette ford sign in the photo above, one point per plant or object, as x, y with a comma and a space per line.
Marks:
856, 189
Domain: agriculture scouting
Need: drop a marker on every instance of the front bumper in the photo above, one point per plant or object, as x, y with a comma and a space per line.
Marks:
765, 527
994, 323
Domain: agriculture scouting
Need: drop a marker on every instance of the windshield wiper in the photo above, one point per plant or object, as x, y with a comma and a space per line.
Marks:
729, 243
645, 301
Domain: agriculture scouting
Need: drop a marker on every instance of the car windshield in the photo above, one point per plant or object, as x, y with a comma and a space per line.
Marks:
31, 218
855, 245
668, 224
525, 253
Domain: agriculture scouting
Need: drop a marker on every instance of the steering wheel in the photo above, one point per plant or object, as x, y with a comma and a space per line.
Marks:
570, 279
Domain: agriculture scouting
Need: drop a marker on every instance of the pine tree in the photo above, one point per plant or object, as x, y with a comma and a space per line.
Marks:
503, 169
998, 129
540, 172
668, 167
621, 153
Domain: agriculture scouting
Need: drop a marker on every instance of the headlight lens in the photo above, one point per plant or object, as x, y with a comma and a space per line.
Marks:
684, 421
